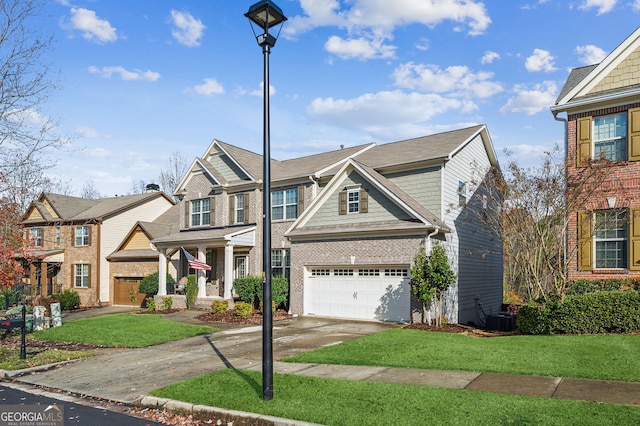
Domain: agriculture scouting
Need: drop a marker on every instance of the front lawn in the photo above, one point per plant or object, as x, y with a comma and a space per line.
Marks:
10, 358
123, 330
343, 402
604, 357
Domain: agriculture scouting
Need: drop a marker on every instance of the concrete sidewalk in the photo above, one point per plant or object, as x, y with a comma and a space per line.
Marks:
128, 375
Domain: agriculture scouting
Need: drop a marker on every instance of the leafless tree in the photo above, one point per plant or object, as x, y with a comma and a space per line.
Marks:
90, 191
173, 174
536, 204
28, 135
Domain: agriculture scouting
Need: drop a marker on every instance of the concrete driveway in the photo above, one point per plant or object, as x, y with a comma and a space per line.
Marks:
124, 375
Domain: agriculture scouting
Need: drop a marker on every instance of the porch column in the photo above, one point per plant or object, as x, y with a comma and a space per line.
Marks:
228, 270
162, 272
202, 275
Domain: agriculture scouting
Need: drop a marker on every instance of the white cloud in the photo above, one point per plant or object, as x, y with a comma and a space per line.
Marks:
590, 54
188, 30
257, 92
89, 133
489, 57
209, 87
541, 60
359, 48
603, 6
107, 72
531, 101
456, 80
369, 23
375, 112
92, 27
377, 15
636, 5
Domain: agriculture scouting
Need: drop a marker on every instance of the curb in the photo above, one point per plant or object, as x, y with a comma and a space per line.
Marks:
225, 415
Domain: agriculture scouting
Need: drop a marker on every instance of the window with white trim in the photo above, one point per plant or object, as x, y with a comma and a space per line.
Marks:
462, 193
81, 275
82, 236
320, 272
201, 212
611, 239
280, 263
240, 208
353, 200
35, 235
610, 137
284, 204
58, 236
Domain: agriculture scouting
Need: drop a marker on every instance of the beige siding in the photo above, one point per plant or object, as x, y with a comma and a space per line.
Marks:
625, 74
116, 228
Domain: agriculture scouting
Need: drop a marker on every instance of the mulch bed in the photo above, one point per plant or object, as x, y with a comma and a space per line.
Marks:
460, 329
229, 317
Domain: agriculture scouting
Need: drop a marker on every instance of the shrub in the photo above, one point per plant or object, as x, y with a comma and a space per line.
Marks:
69, 299
167, 303
243, 309
247, 288
151, 304
219, 305
583, 286
149, 284
191, 290
9, 297
279, 291
590, 313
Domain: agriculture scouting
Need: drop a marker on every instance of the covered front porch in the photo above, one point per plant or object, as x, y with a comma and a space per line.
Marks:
216, 256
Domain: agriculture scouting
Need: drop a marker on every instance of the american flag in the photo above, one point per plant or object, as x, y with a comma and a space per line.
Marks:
195, 263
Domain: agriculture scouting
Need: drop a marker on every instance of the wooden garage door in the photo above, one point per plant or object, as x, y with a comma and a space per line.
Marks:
381, 294
122, 290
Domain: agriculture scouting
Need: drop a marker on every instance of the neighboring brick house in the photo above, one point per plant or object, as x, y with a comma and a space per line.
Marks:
346, 224
73, 236
602, 106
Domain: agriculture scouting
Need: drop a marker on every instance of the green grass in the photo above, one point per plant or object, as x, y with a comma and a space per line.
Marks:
10, 358
605, 357
123, 330
342, 402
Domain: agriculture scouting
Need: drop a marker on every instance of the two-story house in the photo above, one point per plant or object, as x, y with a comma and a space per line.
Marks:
72, 238
602, 107
346, 224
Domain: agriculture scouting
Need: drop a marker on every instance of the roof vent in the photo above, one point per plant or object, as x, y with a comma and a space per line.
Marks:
152, 187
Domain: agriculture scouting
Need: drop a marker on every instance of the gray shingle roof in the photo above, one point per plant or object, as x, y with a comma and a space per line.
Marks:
416, 150
74, 208
575, 77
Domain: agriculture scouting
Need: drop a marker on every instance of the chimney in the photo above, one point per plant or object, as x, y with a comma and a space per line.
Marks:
152, 187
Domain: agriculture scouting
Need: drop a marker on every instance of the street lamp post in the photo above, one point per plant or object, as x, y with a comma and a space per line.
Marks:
265, 14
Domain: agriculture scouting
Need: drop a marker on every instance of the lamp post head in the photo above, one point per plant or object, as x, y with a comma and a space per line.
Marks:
266, 14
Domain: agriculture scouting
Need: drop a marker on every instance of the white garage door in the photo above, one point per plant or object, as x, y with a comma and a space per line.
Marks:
380, 294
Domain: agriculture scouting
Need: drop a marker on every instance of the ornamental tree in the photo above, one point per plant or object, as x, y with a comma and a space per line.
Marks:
431, 277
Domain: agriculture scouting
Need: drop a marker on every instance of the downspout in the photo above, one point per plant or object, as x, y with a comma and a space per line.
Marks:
566, 156
428, 242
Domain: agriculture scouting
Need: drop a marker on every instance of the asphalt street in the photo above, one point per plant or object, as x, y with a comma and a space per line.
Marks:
74, 413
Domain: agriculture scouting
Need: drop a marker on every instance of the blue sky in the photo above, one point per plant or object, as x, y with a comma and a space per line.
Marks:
142, 79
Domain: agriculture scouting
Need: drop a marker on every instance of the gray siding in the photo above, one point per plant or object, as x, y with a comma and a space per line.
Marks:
475, 252
423, 185
227, 168
380, 207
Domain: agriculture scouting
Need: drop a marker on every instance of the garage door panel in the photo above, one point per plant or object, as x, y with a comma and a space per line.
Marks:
359, 297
